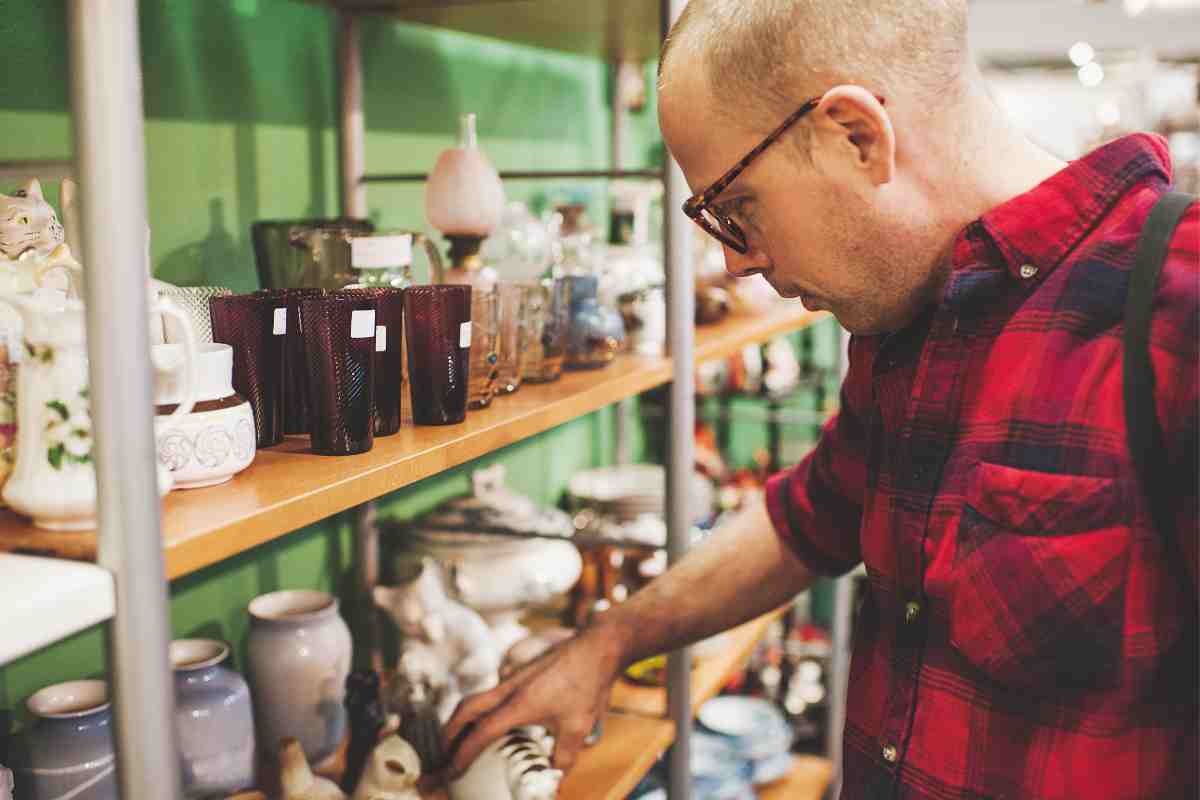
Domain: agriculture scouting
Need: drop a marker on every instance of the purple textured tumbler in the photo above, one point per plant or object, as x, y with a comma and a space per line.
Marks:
438, 336
389, 355
255, 326
339, 343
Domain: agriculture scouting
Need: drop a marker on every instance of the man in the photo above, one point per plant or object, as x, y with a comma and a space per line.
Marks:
1028, 632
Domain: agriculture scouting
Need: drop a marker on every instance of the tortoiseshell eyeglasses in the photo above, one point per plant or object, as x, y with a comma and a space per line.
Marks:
719, 224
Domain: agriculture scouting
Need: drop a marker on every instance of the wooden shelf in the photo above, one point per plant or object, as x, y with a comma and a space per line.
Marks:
288, 487
614, 29
808, 780
611, 768
708, 677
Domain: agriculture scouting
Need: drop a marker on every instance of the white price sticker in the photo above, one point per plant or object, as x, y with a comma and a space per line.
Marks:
381, 338
464, 335
377, 252
362, 323
280, 326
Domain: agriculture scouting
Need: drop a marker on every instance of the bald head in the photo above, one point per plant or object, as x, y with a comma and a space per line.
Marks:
761, 58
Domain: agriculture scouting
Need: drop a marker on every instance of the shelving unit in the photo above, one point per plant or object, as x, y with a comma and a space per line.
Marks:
288, 487
141, 542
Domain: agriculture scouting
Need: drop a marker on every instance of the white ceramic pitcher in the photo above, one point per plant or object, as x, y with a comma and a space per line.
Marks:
54, 479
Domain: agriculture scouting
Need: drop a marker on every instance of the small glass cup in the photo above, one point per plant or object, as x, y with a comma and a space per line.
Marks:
438, 341
485, 341
339, 344
194, 302
550, 316
389, 358
254, 325
515, 329
295, 365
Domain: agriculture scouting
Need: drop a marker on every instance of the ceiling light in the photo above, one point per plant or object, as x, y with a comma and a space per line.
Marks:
1081, 53
1091, 74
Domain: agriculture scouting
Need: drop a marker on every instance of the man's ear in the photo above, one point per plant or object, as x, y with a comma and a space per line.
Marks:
853, 138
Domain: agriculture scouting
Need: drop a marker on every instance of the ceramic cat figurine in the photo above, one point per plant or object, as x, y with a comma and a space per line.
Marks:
391, 772
297, 779
444, 644
33, 249
514, 767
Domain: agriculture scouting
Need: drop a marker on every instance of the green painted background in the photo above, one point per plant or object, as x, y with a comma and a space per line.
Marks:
240, 125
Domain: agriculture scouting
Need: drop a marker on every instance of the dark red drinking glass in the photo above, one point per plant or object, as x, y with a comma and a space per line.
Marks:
254, 325
339, 345
295, 365
389, 356
438, 337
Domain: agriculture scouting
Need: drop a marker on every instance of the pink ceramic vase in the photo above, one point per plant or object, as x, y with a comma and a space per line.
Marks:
463, 196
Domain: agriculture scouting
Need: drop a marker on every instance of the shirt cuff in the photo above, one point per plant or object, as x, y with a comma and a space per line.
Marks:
779, 507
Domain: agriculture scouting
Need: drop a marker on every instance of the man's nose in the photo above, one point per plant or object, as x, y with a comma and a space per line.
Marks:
741, 265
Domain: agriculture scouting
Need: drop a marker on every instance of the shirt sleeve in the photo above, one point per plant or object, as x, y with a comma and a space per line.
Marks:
816, 506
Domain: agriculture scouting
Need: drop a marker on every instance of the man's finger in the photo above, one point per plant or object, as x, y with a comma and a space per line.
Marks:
486, 730
568, 742
471, 709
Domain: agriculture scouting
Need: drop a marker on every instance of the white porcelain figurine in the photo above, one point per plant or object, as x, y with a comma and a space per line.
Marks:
33, 249
444, 644
514, 767
297, 778
391, 772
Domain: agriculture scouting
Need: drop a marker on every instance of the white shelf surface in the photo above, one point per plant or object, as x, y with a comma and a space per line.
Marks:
48, 599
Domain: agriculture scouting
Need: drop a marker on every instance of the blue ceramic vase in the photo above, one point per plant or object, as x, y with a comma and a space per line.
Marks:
214, 718
69, 746
596, 333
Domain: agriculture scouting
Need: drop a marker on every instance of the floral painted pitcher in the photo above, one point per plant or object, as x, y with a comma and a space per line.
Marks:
54, 479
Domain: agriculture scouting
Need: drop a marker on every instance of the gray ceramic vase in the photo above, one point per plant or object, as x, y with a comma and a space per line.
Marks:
214, 718
299, 654
69, 745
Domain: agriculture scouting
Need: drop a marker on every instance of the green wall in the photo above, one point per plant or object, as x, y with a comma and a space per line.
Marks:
240, 125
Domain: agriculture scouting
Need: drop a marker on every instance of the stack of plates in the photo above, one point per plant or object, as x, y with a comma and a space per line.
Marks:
628, 492
744, 742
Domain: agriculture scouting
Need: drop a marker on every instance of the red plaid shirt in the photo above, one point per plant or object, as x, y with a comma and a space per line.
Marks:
1026, 633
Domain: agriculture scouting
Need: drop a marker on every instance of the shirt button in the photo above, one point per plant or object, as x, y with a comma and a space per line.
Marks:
912, 610
889, 754
1028, 271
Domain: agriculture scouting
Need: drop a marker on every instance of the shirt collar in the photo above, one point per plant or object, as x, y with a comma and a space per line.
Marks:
1040, 227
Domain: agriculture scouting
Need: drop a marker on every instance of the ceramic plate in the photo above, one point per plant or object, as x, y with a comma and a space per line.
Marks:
738, 716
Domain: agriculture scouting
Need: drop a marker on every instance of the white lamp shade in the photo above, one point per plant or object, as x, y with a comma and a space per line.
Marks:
464, 196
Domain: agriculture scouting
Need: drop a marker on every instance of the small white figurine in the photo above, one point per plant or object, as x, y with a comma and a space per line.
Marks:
6, 784
391, 773
514, 767
445, 646
297, 779
33, 249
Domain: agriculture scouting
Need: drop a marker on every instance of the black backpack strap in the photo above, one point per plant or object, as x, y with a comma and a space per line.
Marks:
1143, 431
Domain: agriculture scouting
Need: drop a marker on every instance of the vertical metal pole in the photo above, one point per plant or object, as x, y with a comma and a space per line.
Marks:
106, 93
624, 432
681, 443
353, 130
843, 611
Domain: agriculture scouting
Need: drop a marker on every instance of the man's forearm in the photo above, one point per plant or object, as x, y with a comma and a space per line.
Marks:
742, 571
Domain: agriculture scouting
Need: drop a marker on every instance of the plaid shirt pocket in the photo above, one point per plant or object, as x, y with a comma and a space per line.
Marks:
1038, 595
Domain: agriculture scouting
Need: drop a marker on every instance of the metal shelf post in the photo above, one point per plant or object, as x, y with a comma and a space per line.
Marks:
106, 95
681, 456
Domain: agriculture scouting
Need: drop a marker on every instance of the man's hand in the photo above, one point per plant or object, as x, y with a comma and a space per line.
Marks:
566, 690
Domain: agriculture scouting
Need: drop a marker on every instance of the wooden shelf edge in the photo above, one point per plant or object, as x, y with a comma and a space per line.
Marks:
613, 767
808, 780
708, 677
288, 488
